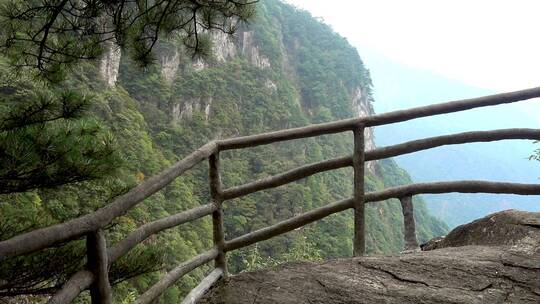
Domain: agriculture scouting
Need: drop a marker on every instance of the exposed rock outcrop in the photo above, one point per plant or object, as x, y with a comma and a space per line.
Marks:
471, 274
246, 43
110, 63
191, 105
362, 107
224, 47
466, 274
252, 51
509, 227
170, 63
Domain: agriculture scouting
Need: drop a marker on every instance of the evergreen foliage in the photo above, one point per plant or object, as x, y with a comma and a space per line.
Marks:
50, 35
46, 137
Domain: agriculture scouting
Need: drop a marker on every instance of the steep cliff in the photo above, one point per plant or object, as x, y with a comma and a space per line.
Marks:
284, 70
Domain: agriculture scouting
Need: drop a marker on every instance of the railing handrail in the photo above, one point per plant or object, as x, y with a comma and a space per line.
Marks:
42, 238
92, 223
379, 153
377, 119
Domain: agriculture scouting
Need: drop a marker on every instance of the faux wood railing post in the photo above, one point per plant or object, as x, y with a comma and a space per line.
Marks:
408, 220
359, 217
217, 216
100, 290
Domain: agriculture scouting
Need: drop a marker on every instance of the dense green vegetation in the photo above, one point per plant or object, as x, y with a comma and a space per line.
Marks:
47, 37
312, 77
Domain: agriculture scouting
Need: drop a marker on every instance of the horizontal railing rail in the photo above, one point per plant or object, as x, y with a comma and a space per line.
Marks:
75, 228
377, 120
174, 275
469, 186
288, 225
100, 257
379, 153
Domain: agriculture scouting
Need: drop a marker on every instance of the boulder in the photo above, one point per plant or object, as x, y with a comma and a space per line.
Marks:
509, 227
494, 260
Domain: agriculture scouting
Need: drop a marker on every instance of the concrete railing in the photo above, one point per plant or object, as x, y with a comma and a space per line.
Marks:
100, 256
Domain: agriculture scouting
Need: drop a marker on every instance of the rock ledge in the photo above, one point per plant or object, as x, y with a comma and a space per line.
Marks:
467, 274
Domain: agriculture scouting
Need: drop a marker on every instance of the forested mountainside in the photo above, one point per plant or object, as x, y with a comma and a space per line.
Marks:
283, 70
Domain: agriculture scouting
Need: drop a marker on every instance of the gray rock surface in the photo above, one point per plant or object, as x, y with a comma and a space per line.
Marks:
509, 227
506, 273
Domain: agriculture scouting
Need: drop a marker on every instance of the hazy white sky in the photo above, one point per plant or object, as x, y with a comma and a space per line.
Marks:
492, 44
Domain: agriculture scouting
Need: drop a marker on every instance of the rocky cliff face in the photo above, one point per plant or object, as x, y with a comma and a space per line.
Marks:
363, 107
245, 45
186, 109
251, 49
225, 48
110, 64
169, 63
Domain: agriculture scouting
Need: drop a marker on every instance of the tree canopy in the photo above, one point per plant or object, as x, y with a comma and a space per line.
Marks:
50, 34
46, 138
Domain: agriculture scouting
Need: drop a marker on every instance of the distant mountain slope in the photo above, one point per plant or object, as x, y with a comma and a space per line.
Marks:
398, 86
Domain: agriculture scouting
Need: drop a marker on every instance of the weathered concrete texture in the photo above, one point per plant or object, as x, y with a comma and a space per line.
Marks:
509, 227
506, 273
470, 274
